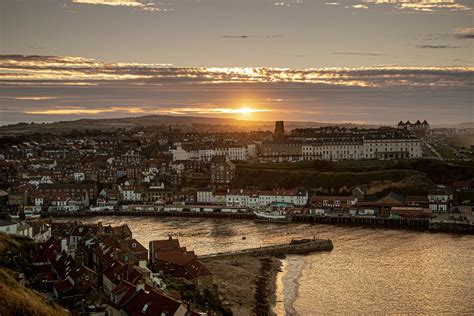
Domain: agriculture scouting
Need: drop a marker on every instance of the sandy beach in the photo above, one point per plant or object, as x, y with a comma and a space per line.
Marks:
246, 284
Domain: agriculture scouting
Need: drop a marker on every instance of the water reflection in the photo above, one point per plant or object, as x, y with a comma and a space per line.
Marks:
369, 270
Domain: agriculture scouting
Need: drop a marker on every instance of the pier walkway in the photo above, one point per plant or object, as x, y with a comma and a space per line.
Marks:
299, 247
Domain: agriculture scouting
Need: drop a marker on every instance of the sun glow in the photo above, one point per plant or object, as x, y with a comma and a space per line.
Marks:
245, 110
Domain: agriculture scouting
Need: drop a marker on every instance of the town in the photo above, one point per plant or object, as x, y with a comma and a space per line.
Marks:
386, 177
172, 169
103, 270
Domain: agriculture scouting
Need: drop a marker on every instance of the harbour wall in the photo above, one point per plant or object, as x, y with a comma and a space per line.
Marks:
418, 224
312, 245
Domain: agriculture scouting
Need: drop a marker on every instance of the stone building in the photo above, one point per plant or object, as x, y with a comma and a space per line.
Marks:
222, 170
418, 129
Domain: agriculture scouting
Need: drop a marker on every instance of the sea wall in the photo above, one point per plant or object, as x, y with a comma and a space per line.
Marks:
313, 245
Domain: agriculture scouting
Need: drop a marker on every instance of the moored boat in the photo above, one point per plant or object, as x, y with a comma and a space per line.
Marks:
271, 217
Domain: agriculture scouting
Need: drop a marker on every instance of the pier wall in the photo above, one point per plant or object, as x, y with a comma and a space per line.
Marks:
277, 250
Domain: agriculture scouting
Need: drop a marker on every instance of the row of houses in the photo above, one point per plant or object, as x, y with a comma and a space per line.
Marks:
38, 230
251, 198
106, 267
205, 153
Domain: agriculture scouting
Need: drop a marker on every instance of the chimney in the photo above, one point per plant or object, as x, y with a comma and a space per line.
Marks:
64, 245
140, 286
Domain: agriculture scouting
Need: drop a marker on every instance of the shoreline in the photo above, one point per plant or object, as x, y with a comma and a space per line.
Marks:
421, 225
265, 294
256, 297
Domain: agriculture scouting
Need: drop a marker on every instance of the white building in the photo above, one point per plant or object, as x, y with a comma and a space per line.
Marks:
264, 198
365, 149
180, 154
79, 176
204, 196
234, 153
206, 154
131, 194
439, 200
8, 227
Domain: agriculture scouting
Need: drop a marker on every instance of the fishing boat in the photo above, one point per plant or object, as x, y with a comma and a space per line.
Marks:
271, 217
28, 215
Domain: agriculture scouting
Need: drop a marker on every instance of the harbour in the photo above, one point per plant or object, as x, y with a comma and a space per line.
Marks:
362, 268
416, 224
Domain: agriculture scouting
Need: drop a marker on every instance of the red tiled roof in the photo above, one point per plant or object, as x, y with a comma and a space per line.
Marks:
180, 258
63, 286
151, 303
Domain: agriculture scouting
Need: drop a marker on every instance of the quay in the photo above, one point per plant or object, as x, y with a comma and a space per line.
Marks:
301, 246
418, 224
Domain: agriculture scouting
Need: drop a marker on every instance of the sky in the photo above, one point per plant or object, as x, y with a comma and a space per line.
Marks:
362, 61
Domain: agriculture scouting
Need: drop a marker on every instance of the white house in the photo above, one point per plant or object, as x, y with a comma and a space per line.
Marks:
204, 196
8, 227
439, 200
79, 176
131, 194
264, 198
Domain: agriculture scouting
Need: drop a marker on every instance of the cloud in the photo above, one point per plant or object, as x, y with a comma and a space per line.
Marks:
91, 88
80, 111
288, 3
76, 71
146, 6
439, 46
428, 6
250, 36
358, 54
359, 6
35, 98
64, 110
464, 33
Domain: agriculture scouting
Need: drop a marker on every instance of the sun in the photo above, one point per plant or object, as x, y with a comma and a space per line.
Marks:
245, 110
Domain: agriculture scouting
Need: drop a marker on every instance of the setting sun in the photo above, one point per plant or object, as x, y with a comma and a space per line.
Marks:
245, 110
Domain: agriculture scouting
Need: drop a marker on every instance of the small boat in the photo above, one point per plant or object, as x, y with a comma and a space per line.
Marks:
271, 217
28, 215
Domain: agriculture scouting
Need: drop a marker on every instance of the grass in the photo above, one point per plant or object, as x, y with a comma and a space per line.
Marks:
324, 181
445, 151
321, 165
334, 176
15, 299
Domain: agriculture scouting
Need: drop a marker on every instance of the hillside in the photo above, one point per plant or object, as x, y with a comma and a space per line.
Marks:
340, 177
197, 123
16, 299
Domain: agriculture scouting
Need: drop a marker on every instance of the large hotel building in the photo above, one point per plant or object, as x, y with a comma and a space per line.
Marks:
336, 143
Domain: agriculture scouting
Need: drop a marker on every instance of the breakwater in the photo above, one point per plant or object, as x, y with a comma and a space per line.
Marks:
294, 247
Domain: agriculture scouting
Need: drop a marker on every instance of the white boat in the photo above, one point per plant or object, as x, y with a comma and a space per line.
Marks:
28, 215
271, 217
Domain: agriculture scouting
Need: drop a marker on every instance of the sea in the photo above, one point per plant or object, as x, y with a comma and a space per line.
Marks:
370, 271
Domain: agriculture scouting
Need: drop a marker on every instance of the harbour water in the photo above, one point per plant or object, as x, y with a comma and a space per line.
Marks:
370, 271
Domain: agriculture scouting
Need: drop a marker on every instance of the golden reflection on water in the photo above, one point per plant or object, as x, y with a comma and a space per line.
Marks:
369, 271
